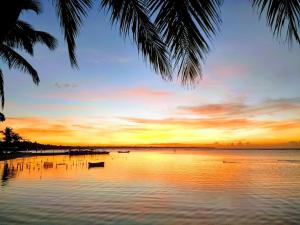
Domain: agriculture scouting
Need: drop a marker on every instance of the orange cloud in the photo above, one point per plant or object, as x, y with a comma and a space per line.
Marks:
145, 92
267, 107
214, 109
216, 123
229, 70
135, 93
143, 131
33, 127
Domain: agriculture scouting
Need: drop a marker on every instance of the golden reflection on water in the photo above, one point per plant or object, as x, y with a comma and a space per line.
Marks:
134, 166
162, 187
212, 169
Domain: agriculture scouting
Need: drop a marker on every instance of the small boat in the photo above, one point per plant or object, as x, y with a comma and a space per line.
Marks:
123, 151
96, 164
48, 165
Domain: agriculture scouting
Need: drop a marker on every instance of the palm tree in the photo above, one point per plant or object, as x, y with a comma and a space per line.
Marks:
16, 137
8, 134
22, 36
170, 34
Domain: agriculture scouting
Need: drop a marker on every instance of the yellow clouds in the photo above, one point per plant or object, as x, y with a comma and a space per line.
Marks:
58, 131
268, 122
138, 131
220, 129
83, 131
38, 128
268, 107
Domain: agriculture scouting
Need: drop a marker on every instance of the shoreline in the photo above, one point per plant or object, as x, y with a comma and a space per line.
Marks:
10, 156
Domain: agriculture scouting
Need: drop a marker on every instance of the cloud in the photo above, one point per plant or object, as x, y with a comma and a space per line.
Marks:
46, 130
38, 128
217, 123
28, 121
228, 70
267, 107
144, 92
214, 109
135, 93
50, 131
132, 130
194, 123
63, 107
65, 85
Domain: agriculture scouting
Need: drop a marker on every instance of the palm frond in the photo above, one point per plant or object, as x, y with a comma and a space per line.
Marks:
187, 26
2, 90
10, 11
45, 38
15, 6
23, 36
71, 13
283, 17
133, 16
14, 60
33, 5
2, 117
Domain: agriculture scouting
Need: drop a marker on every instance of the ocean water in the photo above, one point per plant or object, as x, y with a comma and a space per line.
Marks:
166, 186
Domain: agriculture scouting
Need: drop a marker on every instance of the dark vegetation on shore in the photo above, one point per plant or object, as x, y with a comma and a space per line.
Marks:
12, 145
12, 142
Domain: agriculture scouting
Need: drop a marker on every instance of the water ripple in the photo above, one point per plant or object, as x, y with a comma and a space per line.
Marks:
154, 188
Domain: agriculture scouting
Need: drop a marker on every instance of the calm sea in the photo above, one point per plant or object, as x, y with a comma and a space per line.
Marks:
153, 187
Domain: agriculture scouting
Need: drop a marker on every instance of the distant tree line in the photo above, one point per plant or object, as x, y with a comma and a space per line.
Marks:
13, 142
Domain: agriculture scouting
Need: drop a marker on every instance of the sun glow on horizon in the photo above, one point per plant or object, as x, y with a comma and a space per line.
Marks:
162, 132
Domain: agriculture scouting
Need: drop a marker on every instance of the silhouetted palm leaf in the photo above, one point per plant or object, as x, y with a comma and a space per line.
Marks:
2, 117
179, 31
283, 16
2, 90
14, 60
10, 11
23, 36
133, 16
34, 5
187, 26
70, 13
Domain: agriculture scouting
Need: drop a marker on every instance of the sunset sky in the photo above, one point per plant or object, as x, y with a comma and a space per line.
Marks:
249, 92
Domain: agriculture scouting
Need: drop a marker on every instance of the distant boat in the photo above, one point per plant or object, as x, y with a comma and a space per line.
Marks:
96, 164
123, 151
102, 152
